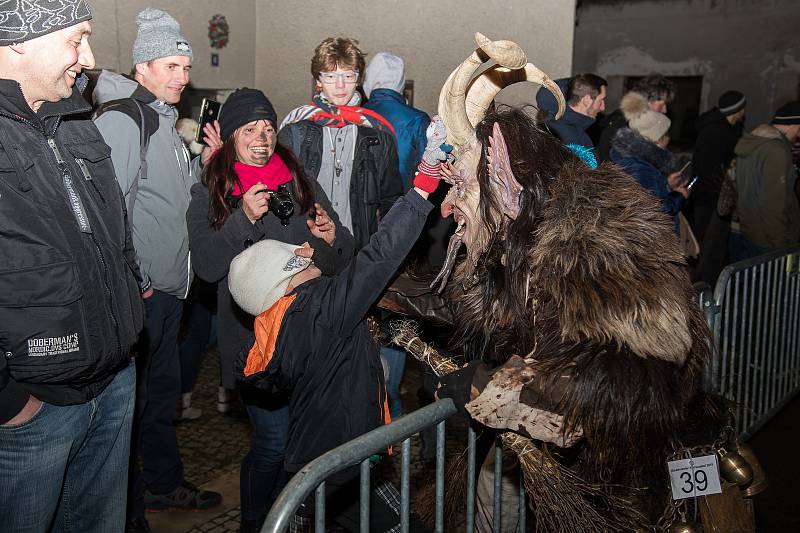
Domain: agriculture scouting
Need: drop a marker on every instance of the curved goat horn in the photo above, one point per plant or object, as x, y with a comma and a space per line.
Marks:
454, 98
485, 87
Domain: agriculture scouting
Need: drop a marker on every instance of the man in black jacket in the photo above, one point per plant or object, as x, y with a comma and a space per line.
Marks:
351, 151
70, 307
718, 131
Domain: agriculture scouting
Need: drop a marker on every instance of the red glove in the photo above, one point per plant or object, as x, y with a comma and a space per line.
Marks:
427, 178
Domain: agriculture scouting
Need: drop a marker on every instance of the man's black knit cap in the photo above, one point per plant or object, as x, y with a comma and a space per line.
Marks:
788, 114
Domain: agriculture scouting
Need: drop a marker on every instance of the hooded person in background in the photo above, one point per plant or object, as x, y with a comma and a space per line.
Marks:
157, 202
384, 81
70, 308
641, 150
768, 208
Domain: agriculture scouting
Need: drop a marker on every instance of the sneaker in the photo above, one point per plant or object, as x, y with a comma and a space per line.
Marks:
186, 496
137, 525
190, 413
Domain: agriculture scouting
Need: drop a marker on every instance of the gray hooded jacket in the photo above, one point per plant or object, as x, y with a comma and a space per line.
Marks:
159, 215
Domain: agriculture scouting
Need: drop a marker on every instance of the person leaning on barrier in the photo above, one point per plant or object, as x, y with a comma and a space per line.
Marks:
69, 294
314, 341
230, 210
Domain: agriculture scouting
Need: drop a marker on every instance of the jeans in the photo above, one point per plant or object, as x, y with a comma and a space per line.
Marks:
66, 469
157, 392
200, 312
262, 476
201, 332
396, 361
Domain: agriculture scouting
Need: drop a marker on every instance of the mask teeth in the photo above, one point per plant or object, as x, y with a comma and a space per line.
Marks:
444, 274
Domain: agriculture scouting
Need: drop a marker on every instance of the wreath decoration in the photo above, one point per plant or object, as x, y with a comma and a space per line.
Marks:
218, 31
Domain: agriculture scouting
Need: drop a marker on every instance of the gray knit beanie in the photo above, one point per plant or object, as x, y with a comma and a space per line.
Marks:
159, 36
23, 20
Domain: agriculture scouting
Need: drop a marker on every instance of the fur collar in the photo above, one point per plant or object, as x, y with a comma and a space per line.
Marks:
629, 143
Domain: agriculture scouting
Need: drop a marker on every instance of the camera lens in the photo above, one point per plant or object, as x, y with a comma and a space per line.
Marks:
280, 203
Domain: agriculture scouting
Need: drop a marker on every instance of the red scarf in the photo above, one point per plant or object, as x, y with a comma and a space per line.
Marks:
274, 173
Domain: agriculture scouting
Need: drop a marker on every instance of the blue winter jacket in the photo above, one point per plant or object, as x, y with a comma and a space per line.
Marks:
409, 126
648, 164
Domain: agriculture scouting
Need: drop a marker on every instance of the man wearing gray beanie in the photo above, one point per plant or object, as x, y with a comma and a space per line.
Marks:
766, 180
70, 308
137, 119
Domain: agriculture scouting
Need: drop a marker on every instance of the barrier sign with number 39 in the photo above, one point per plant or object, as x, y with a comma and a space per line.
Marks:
696, 476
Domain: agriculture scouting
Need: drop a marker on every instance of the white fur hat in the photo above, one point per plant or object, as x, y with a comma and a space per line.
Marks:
650, 124
259, 276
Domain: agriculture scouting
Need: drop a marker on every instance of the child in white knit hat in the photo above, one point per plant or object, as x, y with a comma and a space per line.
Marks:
313, 339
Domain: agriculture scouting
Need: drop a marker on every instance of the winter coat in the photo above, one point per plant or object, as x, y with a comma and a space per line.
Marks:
713, 153
571, 127
70, 307
649, 164
409, 126
213, 250
159, 214
325, 353
375, 183
769, 213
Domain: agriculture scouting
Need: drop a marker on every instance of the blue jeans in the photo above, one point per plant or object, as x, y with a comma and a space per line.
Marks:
262, 476
396, 361
66, 469
157, 392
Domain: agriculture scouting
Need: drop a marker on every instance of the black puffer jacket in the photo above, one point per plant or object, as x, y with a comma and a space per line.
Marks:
213, 250
375, 183
70, 307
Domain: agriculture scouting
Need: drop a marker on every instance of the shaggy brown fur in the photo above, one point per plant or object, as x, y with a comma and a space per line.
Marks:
588, 280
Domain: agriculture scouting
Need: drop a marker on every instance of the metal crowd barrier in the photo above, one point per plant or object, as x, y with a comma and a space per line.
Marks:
755, 318
358, 451
754, 313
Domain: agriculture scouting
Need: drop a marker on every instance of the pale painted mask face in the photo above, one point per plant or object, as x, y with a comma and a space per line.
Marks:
463, 202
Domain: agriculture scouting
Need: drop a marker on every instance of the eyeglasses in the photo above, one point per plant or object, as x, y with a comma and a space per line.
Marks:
350, 76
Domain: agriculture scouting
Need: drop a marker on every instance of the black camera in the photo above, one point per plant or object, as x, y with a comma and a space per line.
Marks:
281, 204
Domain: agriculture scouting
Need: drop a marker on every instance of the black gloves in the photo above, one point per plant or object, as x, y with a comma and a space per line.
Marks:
458, 385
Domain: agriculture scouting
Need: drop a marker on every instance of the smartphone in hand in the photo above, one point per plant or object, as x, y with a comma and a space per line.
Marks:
209, 112
691, 183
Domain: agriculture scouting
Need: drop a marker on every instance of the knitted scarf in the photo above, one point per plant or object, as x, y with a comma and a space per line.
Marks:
274, 173
322, 112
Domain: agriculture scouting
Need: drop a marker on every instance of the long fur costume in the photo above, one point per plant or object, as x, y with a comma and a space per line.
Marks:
588, 282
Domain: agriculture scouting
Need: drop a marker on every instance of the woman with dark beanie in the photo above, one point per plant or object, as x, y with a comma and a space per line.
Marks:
229, 211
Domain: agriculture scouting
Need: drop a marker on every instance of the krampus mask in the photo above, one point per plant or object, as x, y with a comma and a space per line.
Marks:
463, 103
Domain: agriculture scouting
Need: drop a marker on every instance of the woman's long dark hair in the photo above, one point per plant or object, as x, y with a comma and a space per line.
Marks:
221, 178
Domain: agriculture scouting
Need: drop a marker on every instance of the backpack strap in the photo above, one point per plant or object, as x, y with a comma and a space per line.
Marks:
146, 120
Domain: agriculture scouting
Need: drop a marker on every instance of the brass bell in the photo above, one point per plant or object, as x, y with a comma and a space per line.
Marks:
683, 527
735, 468
760, 482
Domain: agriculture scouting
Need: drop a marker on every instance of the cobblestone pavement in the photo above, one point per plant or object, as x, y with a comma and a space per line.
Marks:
214, 445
